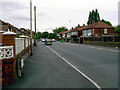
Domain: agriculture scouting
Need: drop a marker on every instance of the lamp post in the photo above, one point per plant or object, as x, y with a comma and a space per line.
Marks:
31, 25
35, 22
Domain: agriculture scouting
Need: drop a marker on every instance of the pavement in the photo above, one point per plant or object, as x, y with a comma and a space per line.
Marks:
66, 65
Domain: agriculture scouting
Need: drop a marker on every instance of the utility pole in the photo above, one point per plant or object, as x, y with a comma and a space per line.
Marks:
35, 22
31, 25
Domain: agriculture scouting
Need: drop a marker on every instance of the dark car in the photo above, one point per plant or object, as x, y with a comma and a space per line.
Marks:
48, 42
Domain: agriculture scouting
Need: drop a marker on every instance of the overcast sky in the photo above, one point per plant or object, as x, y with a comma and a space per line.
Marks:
57, 13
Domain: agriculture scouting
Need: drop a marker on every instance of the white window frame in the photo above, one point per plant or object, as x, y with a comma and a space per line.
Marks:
105, 30
68, 34
93, 31
63, 35
74, 33
85, 33
89, 32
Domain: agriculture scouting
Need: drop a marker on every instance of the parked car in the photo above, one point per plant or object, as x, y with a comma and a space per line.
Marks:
43, 40
53, 40
48, 42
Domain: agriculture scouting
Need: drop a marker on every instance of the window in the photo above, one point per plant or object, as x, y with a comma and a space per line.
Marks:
58, 35
93, 30
68, 34
105, 30
89, 32
85, 33
74, 33
63, 35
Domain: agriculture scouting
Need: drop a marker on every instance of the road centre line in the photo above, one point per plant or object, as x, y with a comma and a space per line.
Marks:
93, 82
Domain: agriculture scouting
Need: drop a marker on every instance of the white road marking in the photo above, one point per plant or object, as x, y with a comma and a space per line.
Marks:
98, 87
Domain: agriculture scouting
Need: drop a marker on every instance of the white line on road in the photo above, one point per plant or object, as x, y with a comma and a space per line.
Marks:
98, 87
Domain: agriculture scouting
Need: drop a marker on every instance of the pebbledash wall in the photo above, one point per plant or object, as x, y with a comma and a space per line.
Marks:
12, 56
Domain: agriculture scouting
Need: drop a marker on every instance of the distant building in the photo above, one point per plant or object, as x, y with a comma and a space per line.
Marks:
5, 26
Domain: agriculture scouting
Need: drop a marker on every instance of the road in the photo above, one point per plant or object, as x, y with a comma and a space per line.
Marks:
67, 65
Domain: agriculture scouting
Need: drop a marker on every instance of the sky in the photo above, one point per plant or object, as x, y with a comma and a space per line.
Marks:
52, 14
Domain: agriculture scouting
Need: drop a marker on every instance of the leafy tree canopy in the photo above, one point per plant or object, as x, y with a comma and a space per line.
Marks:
60, 29
93, 16
117, 29
107, 22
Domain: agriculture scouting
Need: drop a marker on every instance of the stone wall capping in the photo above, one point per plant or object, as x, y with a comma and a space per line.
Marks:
1, 31
9, 33
23, 36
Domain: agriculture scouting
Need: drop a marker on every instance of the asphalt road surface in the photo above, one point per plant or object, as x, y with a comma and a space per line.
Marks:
67, 65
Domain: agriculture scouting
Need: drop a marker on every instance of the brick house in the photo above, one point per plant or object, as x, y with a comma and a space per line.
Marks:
76, 32
61, 34
98, 28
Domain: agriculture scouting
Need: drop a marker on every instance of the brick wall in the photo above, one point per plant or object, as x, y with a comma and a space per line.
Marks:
9, 40
0, 37
8, 70
9, 66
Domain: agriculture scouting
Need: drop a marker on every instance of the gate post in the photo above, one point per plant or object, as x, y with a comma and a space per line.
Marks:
8, 64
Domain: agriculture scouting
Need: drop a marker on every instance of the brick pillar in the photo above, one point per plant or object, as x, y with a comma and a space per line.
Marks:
1, 36
8, 64
8, 39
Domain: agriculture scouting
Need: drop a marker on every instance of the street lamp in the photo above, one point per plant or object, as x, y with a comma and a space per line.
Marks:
35, 22
31, 25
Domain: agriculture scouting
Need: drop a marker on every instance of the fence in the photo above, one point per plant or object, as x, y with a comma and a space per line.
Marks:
13, 55
113, 41
19, 45
104, 39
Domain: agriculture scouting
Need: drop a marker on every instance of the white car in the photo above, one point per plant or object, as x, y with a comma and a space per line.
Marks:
43, 40
48, 42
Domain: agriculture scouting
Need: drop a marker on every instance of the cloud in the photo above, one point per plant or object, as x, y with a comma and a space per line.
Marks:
41, 14
11, 6
50, 28
21, 18
56, 13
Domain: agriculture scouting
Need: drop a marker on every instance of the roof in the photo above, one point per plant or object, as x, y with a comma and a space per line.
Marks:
68, 31
72, 30
99, 24
80, 28
62, 32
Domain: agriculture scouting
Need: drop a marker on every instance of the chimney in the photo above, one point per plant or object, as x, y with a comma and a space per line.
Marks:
83, 24
78, 25
93, 21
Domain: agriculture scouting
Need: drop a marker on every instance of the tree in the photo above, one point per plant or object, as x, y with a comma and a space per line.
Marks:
45, 34
93, 16
117, 29
107, 22
60, 29
97, 16
38, 35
